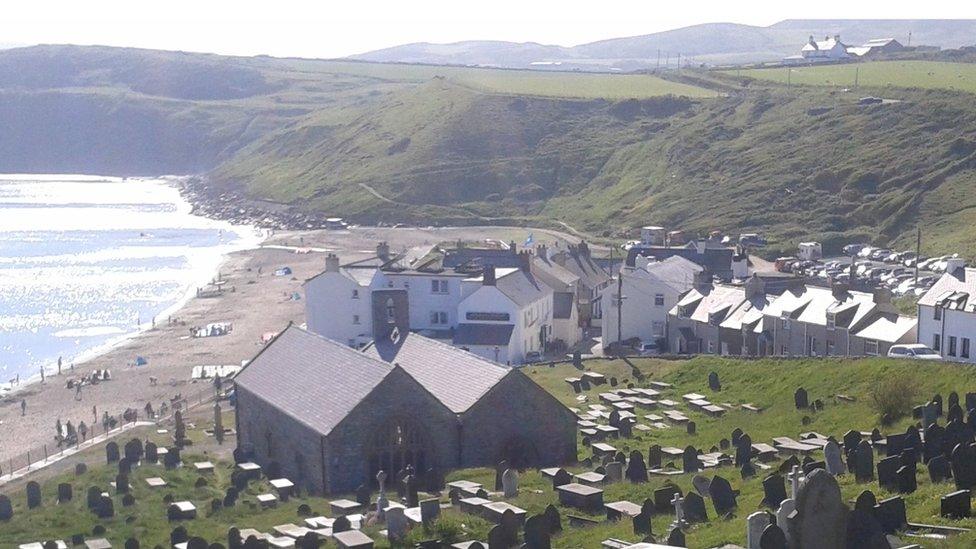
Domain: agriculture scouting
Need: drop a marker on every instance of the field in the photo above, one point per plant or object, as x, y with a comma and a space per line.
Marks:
877, 74
765, 383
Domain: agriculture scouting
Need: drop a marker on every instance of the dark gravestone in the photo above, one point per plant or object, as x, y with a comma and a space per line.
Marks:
934, 435
887, 472
894, 444
363, 495
891, 514
151, 452
723, 497
689, 460
724, 444
743, 450
196, 543
747, 471
956, 505
713, 382
499, 471
65, 492
663, 497
700, 484
654, 457
537, 532
676, 538
691, 427
510, 527
111, 452
864, 462
561, 478
178, 535
553, 519
6, 508
133, 450
230, 496
410, 491
964, 467
128, 500
787, 465
772, 538
121, 484
851, 440
132, 543
809, 466
800, 399
613, 382
955, 413
80, 469
106, 508
626, 427
939, 469
614, 419
234, 538
906, 479
937, 400
33, 495
92, 497
694, 509
496, 538
125, 466
774, 490
642, 523
636, 468
341, 524
172, 458
864, 530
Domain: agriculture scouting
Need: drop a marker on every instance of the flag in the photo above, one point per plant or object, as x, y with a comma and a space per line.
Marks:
529, 240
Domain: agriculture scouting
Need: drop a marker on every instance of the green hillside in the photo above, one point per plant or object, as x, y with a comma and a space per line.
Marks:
878, 74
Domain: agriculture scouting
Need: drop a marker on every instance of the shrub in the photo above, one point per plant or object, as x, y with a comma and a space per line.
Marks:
893, 397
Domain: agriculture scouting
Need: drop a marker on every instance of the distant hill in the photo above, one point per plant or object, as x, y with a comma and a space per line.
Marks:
712, 43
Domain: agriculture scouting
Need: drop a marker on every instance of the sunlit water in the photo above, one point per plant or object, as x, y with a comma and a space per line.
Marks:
86, 261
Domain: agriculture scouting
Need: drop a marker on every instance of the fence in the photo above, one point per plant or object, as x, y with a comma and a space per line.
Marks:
97, 432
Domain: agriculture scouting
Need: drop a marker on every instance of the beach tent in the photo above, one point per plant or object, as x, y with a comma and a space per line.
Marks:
141, 361
284, 271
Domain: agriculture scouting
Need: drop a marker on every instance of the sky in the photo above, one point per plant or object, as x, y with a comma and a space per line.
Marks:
338, 28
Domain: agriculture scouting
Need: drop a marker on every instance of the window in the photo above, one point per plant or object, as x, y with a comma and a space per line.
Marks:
438, 286
831, 321
830, 348
355, 294
870, 347
659, 300
936, 342
952, 345
355, 319
964, 351
711, 347
786, 324
657, 329
937, 312
438, 317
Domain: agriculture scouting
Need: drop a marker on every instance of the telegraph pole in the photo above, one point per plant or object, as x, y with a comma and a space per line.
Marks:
857, 72
620, 315
918, 251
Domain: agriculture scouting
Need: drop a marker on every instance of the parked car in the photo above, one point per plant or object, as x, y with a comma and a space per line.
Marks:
916, 351
866, 251
647, 348
853, 249
532, 357
880, 254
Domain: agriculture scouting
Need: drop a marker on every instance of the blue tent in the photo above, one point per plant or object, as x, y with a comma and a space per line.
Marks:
141, 361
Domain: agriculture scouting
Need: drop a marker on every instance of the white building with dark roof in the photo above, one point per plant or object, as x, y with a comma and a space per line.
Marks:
947, 313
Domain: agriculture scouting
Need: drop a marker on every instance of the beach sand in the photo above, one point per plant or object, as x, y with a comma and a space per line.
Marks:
254, 303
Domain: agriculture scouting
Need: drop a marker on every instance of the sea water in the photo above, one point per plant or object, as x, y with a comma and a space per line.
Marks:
88, 261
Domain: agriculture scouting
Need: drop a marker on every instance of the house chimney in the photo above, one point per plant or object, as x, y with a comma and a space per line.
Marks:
542, 252
584, 249
954, 263
513, 247
332, 263
702, 280
882, 296
700, 246
754, 287
812, 41
525, 261
383, 251
839, 289
488, 278
837, 37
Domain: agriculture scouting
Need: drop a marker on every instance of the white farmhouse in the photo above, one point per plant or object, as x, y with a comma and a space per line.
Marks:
828, 49
338, 302
650, 289
947, 313
506, 314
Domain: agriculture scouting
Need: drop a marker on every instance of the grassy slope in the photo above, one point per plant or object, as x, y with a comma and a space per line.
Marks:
767, 383
899, 74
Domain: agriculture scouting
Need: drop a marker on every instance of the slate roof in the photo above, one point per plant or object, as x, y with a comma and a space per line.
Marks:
521, 287
475, 258
311, 378
553, 275
717, 261
748, 313
483, 334
961, 281
580, 263
454, 376
675, 272
888, 327
562, 305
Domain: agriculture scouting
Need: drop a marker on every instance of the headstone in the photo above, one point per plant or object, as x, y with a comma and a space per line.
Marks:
106, 508
964, 466
756, 524
891, 514
430, 509
65, 492
930, 414
81, 469
863, 462
723, 497
906, 481
736, 433
178, 535
694, 509
834, 459
128, 500
701, 484
820, 518
626, 427
396, 524
342, 524
955, 413
500, 469
496, 538
691, 427
230, 496
125, 466
713, 382
939, 469
748, 470
773, 538
663, 497
933, 447
553, 519
887, 472
363, 495
111, 452
172, 459
956, 505
132, 543
654, 457
510, 527
151, 455
937, 400
410, 491
800, 399
537, 532
636, 468
642, 522
774, 490
510, 483
121, 484
92, 496
33, 495
676, 538
6, 508
689, 460
743, 450
614, 472
133, 450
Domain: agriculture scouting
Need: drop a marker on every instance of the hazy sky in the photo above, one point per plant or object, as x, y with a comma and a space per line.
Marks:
336, 28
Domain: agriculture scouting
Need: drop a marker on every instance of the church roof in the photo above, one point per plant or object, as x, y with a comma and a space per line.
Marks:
455, 377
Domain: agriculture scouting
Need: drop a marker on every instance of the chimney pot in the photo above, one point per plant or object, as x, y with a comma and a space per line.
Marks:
383, 251
332, 263
488, 279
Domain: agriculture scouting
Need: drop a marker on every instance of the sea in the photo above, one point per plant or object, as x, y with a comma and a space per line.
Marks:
88, 261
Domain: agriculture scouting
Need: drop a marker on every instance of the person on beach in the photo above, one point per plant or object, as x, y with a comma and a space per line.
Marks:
42, 374
78, 392
59, 365
23, 407
83, 431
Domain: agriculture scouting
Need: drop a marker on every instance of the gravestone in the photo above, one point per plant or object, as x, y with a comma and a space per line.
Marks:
496, 538
691, 427
396, 524
553, 519
955, 413
121, 484
430, 509
891, 514
172, 458
500, 469
663, 497
939, 469
614, 472
92, 497
6, 508
80, 469
642, 522
956, 505
614, 419
748, 470
713, 382
129, 500
773, 538
133, 450
937, 401
700, 484
33, 495
863, 463
834, 458
510, 527
906, 481
689, 460
111, 452
964, 467
756, 524
820, 518
178, 535
743, 450
561, 478
410, 491
106, 508
230, 496
537, 532
196, 543
930, 415
363, 495
132, 543
65, 492
510, 483
934, 435
654, 457
613, 382
636, 469
724, 444
864, 530
723, 497
125, 466
851, 439
626, 427
774, 490
800, 399
342, 524
736, 434
676, 538
694, 509
887, 472
151, 455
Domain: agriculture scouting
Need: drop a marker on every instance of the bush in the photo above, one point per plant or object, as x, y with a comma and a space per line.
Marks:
893, 397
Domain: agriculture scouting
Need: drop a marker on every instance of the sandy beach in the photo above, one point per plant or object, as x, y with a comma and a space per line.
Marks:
255, 301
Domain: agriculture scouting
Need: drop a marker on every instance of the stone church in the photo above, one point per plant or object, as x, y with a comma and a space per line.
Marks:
330, 416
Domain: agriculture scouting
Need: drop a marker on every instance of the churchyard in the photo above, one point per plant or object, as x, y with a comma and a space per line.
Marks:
596, 498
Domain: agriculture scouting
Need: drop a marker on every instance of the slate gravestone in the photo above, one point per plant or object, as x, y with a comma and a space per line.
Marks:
151, 452
430, 509
499, 471
92, 497
933, 442
6, 508
743, 450
626, 427
736, 434
689, 460
510, 483
800, 399
834, 459
774, 490
772, 538
132, 543
396, 523
863, 463
891, 514
820, 519
553, 519
172, 459
341, 524
121, 484
111, 452
65, 492
230, 496
956, 505
561, 478
930, 415
642, 523
510, 527
700, 484
939, 469
691, 427
788, 464
663, 497
964, 467
713, 382
723, 497
106, 507
937, 400
906, 481
887, 472
694, 509
654, 457
133, 450
851, 440
676, 538
129, 500
636, 469
125, 466
614, 419
178, 535
955, 413
33, 495
614, 472
756, 523
724, 444
909, 457
864, 530
80, 469
410, 491
196, 543
537, 532
748, 470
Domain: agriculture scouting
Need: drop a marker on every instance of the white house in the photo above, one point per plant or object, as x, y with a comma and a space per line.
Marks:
506, 314
566, 326
650, 289
828, 49
947, 313
338, 302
